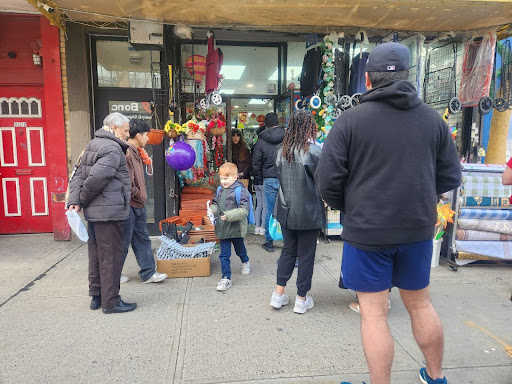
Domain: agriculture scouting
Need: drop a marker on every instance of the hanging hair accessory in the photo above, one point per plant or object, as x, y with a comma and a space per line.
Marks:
146, 160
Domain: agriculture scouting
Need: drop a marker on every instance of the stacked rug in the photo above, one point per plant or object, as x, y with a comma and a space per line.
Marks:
484, 226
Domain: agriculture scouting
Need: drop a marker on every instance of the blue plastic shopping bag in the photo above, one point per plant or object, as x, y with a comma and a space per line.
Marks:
274, 228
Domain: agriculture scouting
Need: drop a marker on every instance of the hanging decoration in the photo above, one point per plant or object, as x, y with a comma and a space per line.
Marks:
216, 127
322, 103
242, 117
261, 119
217, 152
196, 66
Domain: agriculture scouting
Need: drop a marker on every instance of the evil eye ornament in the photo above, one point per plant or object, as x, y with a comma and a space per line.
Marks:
315, 102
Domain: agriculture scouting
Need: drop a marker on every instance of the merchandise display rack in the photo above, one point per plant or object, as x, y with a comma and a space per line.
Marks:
449, 246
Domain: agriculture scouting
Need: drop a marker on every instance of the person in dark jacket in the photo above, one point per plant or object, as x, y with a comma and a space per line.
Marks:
102, 187
301, 215
260, 210
383, 163
263, 166
231, 222
135, 231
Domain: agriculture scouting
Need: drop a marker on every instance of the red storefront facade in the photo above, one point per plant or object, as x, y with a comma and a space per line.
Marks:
33, 159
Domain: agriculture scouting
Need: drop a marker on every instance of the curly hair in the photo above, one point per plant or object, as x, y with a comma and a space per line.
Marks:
300, 131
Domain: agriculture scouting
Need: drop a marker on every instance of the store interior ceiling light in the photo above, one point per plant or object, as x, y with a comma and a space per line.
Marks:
227, 91
257, 101
236, 106
250, 85
232, 72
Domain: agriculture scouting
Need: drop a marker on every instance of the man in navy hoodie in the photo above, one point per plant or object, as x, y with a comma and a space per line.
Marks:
383, 164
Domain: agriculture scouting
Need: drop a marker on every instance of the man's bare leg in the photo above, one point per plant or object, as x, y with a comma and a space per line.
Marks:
378, 343
426, 328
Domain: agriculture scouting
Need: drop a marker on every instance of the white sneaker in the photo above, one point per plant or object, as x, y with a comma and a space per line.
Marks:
246, 268
155, 278
277, 301
124, 279
302, 306
260, 231
223, 285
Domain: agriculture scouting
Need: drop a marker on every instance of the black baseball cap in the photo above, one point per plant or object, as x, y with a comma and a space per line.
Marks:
388, 57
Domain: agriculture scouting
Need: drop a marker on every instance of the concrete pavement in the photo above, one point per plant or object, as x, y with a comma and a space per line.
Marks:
184, 331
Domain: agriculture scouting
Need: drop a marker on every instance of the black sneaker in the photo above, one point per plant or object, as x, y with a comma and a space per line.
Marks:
268, 246
121, 308
96, 302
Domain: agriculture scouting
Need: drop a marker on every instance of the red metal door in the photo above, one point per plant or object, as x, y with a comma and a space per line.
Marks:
24, 170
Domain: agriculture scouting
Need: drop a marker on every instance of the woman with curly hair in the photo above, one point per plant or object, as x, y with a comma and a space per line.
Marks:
299, 209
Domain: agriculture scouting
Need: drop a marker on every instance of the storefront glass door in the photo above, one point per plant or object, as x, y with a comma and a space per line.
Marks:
122, 83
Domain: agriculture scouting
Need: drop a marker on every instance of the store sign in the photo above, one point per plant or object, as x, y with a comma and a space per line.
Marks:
132, 109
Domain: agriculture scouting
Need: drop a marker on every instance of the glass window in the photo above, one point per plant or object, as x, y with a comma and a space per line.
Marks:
295, 57
246, 70
120, 65
247, 115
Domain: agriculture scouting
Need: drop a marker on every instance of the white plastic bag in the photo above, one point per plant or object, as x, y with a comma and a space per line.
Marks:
77, 225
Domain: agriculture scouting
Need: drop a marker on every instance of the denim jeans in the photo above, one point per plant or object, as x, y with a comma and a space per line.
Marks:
260, 211
137, 234
225, 254
270, 188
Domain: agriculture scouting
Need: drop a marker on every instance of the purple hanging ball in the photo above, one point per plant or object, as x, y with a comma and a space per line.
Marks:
180, 156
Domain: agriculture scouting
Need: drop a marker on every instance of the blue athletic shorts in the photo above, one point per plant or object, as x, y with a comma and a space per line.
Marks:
406, 266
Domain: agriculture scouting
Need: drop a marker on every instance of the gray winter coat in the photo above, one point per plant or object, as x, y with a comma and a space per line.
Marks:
101, 185
235, 224
298, 206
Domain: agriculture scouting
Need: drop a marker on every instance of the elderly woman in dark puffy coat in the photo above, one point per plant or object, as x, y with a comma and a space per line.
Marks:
102, 187
298, 209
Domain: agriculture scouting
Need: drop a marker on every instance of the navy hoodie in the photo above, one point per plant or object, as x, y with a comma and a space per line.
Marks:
383, 164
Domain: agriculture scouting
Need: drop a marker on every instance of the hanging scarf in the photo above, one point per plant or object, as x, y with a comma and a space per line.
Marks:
146, 160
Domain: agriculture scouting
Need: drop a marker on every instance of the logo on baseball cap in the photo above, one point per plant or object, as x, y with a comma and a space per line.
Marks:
388, 57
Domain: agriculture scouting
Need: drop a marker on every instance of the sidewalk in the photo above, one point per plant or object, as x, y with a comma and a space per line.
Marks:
184, 331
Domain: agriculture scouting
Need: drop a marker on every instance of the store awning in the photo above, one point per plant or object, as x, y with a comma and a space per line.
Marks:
302, 15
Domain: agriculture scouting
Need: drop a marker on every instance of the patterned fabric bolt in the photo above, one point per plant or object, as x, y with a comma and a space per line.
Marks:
498, 226
495, 214
484, 186
499, 249
469, 234
485, 201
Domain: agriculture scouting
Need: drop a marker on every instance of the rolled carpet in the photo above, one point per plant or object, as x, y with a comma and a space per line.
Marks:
485, 225
469, 234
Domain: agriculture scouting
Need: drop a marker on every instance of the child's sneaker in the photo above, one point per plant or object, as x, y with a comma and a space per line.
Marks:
223, 285
277, 301
246, 268
302, 306
426, 379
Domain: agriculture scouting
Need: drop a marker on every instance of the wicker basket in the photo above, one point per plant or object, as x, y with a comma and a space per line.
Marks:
172, 134
218, 131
